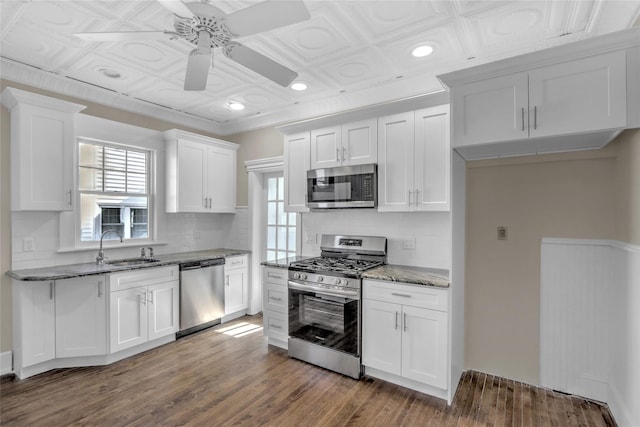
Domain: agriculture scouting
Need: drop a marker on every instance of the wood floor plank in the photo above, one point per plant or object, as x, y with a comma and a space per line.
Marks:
216, 378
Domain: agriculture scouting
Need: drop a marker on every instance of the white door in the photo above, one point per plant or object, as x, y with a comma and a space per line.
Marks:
81, 317
235, 290
192, 158
37, 322
163, 309
221, 180
432, 159
396, 162
491, 110
326, 147
578, 96
360, 142
297, 155
424, 346
381, 336
128, 318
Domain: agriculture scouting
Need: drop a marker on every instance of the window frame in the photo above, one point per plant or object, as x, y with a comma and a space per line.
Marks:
78, 243
265, 222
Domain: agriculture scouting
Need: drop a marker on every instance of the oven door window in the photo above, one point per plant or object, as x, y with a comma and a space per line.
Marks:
325, 320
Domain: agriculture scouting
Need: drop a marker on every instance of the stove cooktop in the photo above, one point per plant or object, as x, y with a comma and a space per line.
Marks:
327, 265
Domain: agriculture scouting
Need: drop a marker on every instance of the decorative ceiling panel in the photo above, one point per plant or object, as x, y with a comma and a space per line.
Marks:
349, 53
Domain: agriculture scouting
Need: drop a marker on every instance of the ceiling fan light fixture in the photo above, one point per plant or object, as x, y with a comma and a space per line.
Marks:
299, 86
235, 106
422, 51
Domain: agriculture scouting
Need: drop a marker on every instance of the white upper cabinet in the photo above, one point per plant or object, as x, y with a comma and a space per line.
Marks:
200, 173
581, 100
296, 165
345, 145
413, 160
42, 151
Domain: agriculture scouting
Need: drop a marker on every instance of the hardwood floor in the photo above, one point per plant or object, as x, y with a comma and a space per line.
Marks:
229, 376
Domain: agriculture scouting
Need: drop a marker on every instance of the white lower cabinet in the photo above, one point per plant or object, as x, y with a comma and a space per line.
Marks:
139, 314
275, 306
236, 286
34, 323
81, 316
405, 334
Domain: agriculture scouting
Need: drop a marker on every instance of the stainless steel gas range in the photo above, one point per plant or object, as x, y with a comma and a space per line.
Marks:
325, 302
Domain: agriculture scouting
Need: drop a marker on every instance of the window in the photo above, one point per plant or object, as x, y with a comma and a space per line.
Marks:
114, 191
281, 226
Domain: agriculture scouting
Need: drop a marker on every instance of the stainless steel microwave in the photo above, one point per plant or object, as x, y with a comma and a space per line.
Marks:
343, 187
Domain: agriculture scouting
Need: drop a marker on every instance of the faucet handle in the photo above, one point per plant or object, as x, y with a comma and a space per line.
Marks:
150, 252
142, 254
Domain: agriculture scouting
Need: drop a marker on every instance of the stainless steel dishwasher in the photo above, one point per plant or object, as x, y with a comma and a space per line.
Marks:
201, 295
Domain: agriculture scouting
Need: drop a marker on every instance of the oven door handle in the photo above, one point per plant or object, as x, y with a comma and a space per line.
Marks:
321, 290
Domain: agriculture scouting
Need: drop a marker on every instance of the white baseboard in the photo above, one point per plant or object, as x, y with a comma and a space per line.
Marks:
6, 363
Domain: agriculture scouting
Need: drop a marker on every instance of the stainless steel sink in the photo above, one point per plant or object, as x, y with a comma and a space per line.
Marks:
131, 261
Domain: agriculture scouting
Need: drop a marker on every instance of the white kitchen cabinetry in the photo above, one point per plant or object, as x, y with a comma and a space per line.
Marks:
200, 173
275, 306
42, 151
574, 97
236, 286
413, 160
81, 316
296, 165
405, 335
143, 306
345, 145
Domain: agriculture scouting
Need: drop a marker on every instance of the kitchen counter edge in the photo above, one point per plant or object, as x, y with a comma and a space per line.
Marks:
70, 271
421, 276
283, 262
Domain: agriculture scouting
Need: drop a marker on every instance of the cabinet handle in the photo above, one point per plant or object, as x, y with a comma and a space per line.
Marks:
210, 202
226, 280
274, 276
409, 202
417, 192
338, 154
150, 297
535, 116
343, 153
70, 198
275, 299
275, 326
205, 203
99, 288
522, 119
51, 284
396, 327
400, 295
143, 300
405, 321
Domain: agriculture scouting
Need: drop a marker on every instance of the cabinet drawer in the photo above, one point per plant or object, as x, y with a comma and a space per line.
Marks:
142, 277
416, 296
276, 325
275, 297
277, 276
231, 263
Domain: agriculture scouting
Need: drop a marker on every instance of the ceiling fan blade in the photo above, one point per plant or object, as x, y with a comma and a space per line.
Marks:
266, 16
178, 8
198, 66
260, 64
124, 35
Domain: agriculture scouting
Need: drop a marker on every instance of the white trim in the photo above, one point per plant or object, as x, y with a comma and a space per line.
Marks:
265, 165
630, 247
177, 134
6, 363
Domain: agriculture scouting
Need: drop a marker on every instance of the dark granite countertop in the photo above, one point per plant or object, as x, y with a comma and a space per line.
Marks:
59, 272
283, 262
411, 275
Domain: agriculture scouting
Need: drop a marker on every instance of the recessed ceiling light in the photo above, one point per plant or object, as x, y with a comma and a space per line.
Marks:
299, 86
235, 106
108, 72
422, 51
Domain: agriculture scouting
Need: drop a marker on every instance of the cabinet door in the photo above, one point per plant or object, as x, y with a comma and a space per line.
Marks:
128, 318
235, 291
396, 162
36, 321
192, 158
578, 96
491, 110
424, 346
81, 317
326, 147
432, 163
297, 153
163, 309
381, 336
221, 180
360, 142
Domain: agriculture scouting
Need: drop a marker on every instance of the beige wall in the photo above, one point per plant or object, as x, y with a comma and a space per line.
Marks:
588, 194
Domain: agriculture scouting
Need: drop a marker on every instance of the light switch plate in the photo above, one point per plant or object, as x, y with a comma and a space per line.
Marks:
409, 243
27, 244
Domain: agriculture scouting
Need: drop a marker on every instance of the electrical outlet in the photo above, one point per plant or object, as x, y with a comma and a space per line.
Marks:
27, 244
409, 243
310, 238
502, 233
196, 235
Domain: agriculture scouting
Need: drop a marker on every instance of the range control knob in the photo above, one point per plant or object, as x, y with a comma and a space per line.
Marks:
303, 276
340, 282
320, 278
296, 275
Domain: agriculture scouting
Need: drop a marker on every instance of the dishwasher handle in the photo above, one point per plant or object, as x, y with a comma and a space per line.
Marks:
193, 265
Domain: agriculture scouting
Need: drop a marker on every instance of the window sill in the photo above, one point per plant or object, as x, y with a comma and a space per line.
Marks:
113, 246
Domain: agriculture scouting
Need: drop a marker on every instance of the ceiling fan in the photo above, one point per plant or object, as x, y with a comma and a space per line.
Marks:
208, 27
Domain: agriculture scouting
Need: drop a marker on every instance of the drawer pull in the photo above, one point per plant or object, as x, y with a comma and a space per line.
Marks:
405, 321
274, 276
400, 295
271, 325
396, 320
275, 299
